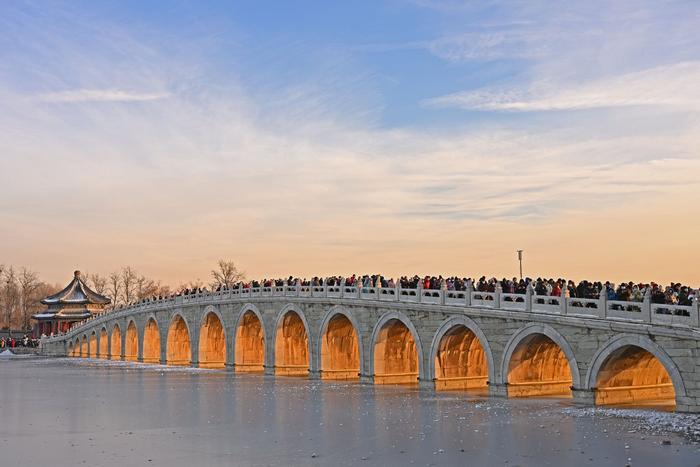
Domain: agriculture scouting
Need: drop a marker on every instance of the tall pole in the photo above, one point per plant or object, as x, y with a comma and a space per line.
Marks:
520, 260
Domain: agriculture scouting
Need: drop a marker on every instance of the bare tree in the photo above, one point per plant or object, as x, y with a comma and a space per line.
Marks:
227, 274
97, 282
10, 294
114, 288
28, 283
129, 279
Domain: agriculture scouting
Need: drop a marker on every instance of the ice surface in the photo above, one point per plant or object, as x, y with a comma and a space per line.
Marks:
93, 412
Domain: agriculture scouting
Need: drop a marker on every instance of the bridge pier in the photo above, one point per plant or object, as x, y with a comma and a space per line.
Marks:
269, 370
366, 379
585, 397
498, 390
426, 384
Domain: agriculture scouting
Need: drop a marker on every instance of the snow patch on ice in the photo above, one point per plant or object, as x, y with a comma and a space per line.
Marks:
650, 420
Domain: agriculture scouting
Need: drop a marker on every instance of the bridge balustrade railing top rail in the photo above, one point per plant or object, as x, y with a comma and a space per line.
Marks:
642, 312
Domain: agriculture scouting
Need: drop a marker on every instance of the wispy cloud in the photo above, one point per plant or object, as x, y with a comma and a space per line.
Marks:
672, 85
101, 95
291, 175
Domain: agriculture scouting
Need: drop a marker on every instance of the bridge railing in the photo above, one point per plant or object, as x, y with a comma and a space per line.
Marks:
641, 312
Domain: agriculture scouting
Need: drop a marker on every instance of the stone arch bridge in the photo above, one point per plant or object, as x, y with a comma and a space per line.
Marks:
594, 351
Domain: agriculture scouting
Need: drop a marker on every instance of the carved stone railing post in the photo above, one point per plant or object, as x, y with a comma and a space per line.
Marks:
397, 291
419, 290
497, 295
529, 292
646, 306
564, 300
603, 302
342, 287
470, 289
695, 312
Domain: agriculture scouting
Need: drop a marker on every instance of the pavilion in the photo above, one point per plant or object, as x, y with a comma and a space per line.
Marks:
74, 303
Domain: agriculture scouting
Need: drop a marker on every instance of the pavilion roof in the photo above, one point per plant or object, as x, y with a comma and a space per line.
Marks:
76, 293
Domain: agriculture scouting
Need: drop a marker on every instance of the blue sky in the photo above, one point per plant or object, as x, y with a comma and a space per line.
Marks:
339, 124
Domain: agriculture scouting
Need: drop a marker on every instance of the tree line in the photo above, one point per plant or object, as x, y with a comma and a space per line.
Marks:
21, 289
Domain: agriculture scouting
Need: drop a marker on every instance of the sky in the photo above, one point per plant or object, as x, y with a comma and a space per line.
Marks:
317, 138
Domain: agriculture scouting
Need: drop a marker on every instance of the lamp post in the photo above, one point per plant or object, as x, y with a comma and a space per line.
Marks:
520, 260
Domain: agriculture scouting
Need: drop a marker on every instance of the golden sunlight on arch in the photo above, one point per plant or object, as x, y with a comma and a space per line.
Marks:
212, 343
291, 347
131, 344
104, 344
539, 367
178, 352
151, 342
116, 341
92, 348
250, 344
84, 347
460, 361
634, 376
395, 355
340, 350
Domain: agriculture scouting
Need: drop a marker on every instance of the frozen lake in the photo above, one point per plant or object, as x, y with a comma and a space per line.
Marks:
97, 413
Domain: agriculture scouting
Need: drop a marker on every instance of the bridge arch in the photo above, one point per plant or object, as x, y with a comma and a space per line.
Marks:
634, 369
131, 342
103, 344
339, 345
458, 339
177, 343
92, 345
292, 342
396, 352
212, 339
79, 347
151, 341
249, 346
535, 363
115, 340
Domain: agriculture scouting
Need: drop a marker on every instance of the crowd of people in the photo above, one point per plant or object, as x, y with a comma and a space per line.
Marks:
11, 342
673, 294
588, 291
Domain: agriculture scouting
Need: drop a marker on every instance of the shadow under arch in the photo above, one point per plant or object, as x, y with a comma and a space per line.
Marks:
249, 348
538, 361
339, 345
634, 370
396, 351
131, 342
212, 340
115, 340
460, 356
177, 343
292, 342
151, 341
